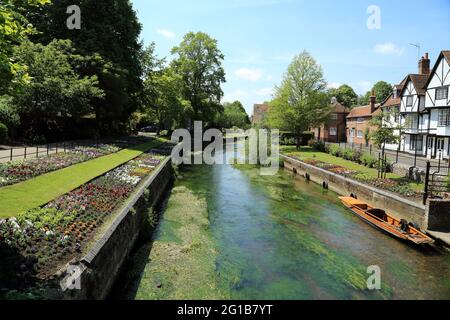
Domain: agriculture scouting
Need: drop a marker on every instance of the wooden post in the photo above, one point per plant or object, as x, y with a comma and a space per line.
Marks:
25, 154
37, 151
11, 154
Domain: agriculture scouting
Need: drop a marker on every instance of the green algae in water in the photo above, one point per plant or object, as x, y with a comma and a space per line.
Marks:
255, 237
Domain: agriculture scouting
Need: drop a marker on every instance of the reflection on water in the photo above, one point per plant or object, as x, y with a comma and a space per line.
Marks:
280, 238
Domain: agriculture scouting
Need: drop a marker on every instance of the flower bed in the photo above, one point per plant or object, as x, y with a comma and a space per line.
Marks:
40, 241
399, 186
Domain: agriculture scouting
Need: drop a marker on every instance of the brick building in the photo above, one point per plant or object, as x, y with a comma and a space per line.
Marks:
358, 122
259, 113
334, 130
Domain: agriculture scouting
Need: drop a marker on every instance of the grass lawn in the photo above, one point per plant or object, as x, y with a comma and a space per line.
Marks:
39, 191
309, 153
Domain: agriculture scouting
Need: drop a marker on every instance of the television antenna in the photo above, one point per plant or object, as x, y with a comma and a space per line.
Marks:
418, 49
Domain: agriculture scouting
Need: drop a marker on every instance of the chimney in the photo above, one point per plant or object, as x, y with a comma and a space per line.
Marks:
373, 101
424, 65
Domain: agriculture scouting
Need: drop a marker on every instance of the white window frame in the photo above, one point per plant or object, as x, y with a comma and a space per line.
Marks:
360, 135
360, 120
333, 132
334, 116
408, 98
442, 93
444, 118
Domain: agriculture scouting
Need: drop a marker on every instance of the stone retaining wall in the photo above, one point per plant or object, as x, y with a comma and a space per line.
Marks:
438, 215
395, 205
100, 267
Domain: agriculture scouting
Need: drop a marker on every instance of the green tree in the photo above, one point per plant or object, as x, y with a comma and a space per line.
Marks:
300, 101
234, 115
56, 93
382, 91
345, 95
110, 31
198, 62
14, 28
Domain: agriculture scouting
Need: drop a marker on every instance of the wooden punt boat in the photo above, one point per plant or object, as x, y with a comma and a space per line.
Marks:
380, 219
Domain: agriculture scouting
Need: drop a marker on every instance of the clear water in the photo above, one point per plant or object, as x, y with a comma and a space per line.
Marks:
282, 238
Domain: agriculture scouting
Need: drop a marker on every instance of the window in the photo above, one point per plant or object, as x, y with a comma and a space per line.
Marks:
416, 142
442, 93
440, 144
421, 103
334, 116
333, 131
444, 118
360, 120
409, 101
360, 134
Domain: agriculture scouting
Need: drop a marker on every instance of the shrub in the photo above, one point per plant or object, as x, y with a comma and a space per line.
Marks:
317, 145
336, 151
368, 160
357, 156
348, 154
8, 113
3, 133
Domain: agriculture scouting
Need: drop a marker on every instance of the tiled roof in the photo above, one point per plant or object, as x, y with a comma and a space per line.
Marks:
391, 101
446, 54
419, 81
361, 112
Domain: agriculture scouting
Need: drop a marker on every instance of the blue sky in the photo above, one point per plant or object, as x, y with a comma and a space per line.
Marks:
260, 37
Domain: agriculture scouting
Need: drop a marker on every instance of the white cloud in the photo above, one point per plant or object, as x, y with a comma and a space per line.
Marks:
361, 87
334, 85
236, 95
166, 33
389, 48
249, 74
264, 92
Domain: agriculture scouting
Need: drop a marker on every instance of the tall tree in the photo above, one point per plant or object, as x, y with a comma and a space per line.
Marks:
345, 95
109, 29
300, 101
14, 28
198, 61
56, 93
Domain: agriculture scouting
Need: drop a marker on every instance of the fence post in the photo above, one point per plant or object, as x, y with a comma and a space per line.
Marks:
37, 151
64, 147
57, 148
360, 146
427, 181
11, 154
25, 154
47, 150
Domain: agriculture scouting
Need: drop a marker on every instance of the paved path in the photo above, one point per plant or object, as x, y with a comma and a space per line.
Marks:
18, 153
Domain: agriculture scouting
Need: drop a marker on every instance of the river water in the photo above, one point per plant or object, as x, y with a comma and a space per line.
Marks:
282, 238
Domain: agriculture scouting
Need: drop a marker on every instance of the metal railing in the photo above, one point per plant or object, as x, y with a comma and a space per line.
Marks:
437, 181
27, 152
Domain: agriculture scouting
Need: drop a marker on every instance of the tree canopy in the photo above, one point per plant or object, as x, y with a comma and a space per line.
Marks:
198, 62
344, 95
300, 101
14, 28
382, 91
234, 115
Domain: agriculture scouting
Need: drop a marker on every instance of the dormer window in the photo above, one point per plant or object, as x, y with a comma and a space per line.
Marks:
442, 93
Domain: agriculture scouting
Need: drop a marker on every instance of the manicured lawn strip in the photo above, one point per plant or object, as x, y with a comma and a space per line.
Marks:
43, 189
308, 153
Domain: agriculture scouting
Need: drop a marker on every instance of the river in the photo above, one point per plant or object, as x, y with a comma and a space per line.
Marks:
272, 237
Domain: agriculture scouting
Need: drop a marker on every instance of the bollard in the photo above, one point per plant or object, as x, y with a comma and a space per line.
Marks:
37, 151
25, 155
11, 154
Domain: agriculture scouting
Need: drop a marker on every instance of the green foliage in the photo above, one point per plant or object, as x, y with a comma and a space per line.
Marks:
8, 113
336, 151
344, 95
198, 62
3, 133
233, 116
109, 35
300, 101
14, 28
317, 145
368, 160
56, 91
385, 132
382, 91
348, 154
